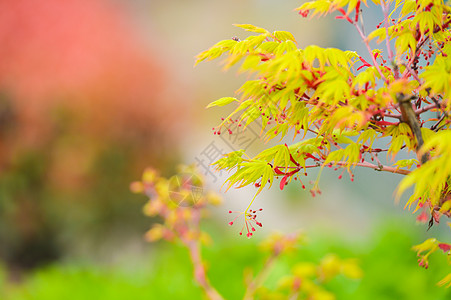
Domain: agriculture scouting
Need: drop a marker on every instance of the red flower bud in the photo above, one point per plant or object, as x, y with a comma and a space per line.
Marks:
445, 247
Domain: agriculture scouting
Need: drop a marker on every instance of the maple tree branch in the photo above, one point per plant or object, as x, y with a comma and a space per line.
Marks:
439, 105
385, 9
378, 167
368, 165
412, 72
410, 117
365, 41
434, 127
426, 108
367, 45
393, 116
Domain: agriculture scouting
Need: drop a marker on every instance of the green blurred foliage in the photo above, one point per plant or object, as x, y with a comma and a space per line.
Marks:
390, 272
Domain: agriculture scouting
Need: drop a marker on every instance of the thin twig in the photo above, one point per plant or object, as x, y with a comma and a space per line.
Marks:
414, 57
426, 108
439, 105
399, 117
378, 168
413, 73
385, 9
365, 41
380, 165
260, 278
439, 128
368, 165
434, 127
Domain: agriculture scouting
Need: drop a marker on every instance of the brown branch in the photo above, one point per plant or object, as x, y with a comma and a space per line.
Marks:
434, 127
439, 128
409, 116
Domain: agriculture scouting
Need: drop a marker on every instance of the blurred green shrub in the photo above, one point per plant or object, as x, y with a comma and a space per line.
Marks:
167, 273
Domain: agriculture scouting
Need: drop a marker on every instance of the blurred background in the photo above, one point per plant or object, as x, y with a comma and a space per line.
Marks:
92, 92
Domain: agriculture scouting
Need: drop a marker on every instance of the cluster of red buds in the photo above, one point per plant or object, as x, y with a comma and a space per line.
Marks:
250, 219
227, 124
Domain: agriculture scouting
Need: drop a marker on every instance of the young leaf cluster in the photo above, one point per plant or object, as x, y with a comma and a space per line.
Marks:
335, 104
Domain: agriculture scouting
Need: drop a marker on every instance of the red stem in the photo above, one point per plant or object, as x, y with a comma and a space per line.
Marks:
345, 15
357, 12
